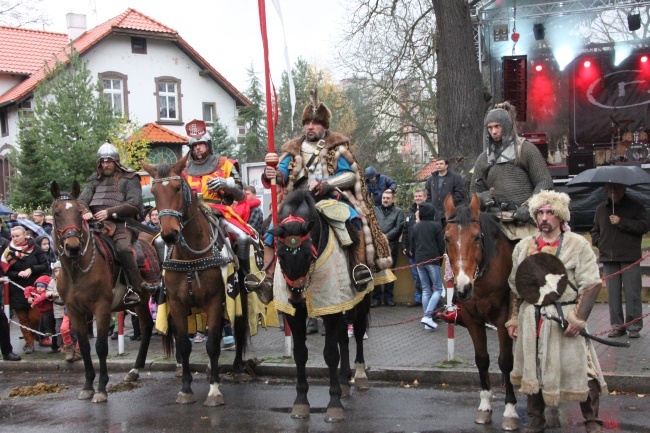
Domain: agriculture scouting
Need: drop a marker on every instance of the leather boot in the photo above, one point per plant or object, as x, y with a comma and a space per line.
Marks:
590, 406
361, 274
132, 272
536, 408
264, 288
69, 352
76, 356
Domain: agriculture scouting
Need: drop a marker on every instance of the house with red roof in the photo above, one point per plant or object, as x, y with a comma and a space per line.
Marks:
148, 72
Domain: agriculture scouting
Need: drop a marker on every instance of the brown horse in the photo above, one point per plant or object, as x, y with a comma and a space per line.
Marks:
88, 276
300, 239
193, 274
481, 258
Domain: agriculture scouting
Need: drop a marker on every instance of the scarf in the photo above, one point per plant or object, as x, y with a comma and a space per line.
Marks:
14, 252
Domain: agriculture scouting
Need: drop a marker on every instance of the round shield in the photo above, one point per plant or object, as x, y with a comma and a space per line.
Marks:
541, 279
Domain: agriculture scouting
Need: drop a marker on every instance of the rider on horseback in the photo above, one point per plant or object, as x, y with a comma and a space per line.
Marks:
321, 160
113, 194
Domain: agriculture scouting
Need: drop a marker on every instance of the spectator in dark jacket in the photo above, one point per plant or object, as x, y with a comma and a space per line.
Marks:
440, 184
619, 226
377, 184
419, 197
46, 247
5, 337
391, 222
23, 262
428, 244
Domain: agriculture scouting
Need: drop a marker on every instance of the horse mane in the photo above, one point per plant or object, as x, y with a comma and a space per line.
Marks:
490, 228
164, 170
299, 203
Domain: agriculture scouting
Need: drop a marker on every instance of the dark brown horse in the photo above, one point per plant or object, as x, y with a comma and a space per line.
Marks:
300, 238
88, 275
193, 274
481, 258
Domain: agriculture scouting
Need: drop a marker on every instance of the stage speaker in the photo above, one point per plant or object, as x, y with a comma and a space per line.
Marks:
515, 83
539, 32
539, 140
579, 162
634, 22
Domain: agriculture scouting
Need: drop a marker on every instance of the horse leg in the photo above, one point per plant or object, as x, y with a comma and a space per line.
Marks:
184, 348
213, 347
361, 311
482, 359
333, 322
345, 374
240, 325
510, 417
102, 318
79, 324
298, 325
146, 327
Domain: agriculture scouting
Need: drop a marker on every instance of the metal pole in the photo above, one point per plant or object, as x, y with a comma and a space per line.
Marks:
120, 333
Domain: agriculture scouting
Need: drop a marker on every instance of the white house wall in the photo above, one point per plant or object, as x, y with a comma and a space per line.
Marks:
9, 81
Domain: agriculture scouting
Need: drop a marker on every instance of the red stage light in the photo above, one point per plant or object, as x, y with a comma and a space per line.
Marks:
587, 63
538, 68
644, 59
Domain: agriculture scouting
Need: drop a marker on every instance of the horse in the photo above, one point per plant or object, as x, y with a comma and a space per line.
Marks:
88, 275
301, 239
481, 259
199, 253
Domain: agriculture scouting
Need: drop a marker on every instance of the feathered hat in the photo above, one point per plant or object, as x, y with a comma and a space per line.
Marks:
558, 201
316, 111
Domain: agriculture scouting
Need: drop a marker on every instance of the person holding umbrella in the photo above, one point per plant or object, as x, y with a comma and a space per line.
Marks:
619, 226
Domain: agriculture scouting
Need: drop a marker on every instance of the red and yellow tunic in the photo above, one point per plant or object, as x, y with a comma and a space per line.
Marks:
199, 184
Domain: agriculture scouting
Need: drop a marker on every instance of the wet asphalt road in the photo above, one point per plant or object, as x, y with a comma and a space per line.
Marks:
263, 406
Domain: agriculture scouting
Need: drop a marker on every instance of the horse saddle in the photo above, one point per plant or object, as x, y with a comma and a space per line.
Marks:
336, 214
541, 279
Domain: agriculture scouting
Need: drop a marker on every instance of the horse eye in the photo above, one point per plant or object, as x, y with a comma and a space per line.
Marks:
477, 238
447, 239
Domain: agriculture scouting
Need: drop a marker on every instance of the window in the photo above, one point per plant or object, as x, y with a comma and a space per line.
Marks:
209, 112
162, 155
4, 123
241, 129
115, 92
138, 45
168, 91
26, 107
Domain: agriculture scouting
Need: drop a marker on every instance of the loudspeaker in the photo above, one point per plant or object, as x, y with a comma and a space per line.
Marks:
539, 31
515, 83
539, 140
634, 22
579, 162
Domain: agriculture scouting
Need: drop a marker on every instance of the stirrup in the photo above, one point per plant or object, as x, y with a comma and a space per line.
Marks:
361, 276
131, 297
262, 286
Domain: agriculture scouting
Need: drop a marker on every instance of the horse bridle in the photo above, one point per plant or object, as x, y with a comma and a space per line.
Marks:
481, 267
293, 244
73, 232
180, 215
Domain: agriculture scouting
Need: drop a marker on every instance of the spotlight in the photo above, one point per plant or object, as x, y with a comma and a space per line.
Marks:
538, 68
634, 22
539, 31
587, 64
644, 59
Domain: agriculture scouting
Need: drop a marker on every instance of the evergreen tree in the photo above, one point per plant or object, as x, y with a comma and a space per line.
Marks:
222, 142
60, 142
255, 145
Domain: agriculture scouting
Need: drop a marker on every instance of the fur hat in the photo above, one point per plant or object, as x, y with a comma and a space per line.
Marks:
558, 201
316, 111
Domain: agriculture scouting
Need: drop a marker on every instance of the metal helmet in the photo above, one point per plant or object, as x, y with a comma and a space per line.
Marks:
108, 152
203, 139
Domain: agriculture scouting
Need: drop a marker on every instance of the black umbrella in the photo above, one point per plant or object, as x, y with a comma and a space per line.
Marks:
4, 210
628, 175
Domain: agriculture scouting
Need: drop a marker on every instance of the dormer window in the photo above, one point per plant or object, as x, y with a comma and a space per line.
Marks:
138, 45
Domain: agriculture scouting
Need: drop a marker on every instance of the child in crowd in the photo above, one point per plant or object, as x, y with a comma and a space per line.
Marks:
37, 297
57, 308
44, 243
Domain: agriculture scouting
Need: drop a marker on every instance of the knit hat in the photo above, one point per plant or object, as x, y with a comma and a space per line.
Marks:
316, 111
558, 201
56, 265
43, 279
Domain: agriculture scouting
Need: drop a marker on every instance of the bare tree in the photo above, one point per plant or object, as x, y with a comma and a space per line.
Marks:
21, 13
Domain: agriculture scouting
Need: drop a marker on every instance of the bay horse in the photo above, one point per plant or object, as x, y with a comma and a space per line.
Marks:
199, 251
300, 241
481, 258
88, 275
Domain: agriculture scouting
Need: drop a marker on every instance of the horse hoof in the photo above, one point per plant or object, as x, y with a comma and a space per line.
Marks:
362, 383
510, 424
345, 390
334, 414
483, 417
214, 400
185, 398
100, 397
86, 394
300, 411
132, 376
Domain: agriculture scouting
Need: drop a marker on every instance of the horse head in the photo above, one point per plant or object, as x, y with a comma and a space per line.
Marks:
294, 244
173, 197
465, 244
70, 229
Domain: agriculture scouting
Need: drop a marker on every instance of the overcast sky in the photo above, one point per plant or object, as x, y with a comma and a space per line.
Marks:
227, 32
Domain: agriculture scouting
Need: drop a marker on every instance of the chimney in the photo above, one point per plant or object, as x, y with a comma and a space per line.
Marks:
76, 25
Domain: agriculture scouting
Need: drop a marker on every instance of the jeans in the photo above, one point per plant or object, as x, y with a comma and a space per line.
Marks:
416, 279
431, 280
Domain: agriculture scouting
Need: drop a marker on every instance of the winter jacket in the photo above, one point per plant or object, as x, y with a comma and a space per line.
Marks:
426, 238
621, 242
391, 222
409, 223
376, 189
453, 184
37, 261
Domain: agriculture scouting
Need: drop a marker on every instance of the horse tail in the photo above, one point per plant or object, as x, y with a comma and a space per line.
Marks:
168, 342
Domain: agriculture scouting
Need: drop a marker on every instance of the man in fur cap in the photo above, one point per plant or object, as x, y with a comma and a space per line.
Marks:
321, 160
552, 364
509, 171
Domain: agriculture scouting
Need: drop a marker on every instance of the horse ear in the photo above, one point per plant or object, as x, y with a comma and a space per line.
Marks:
54, 189
76, 189
278, 232
449, 206
475, 207
180, 164
149, 168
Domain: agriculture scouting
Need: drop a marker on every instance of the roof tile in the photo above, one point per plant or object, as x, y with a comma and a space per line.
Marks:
426, 171
24, 51
159, 134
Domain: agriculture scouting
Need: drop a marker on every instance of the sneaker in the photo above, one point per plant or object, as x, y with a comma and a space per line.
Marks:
11, 357
28, 348
198, 338
428, 321
350, 331
426, 328
228, 342
45, 342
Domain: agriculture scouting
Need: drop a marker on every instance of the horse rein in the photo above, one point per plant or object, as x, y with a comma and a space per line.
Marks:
293, 244
478, 272
76, 232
